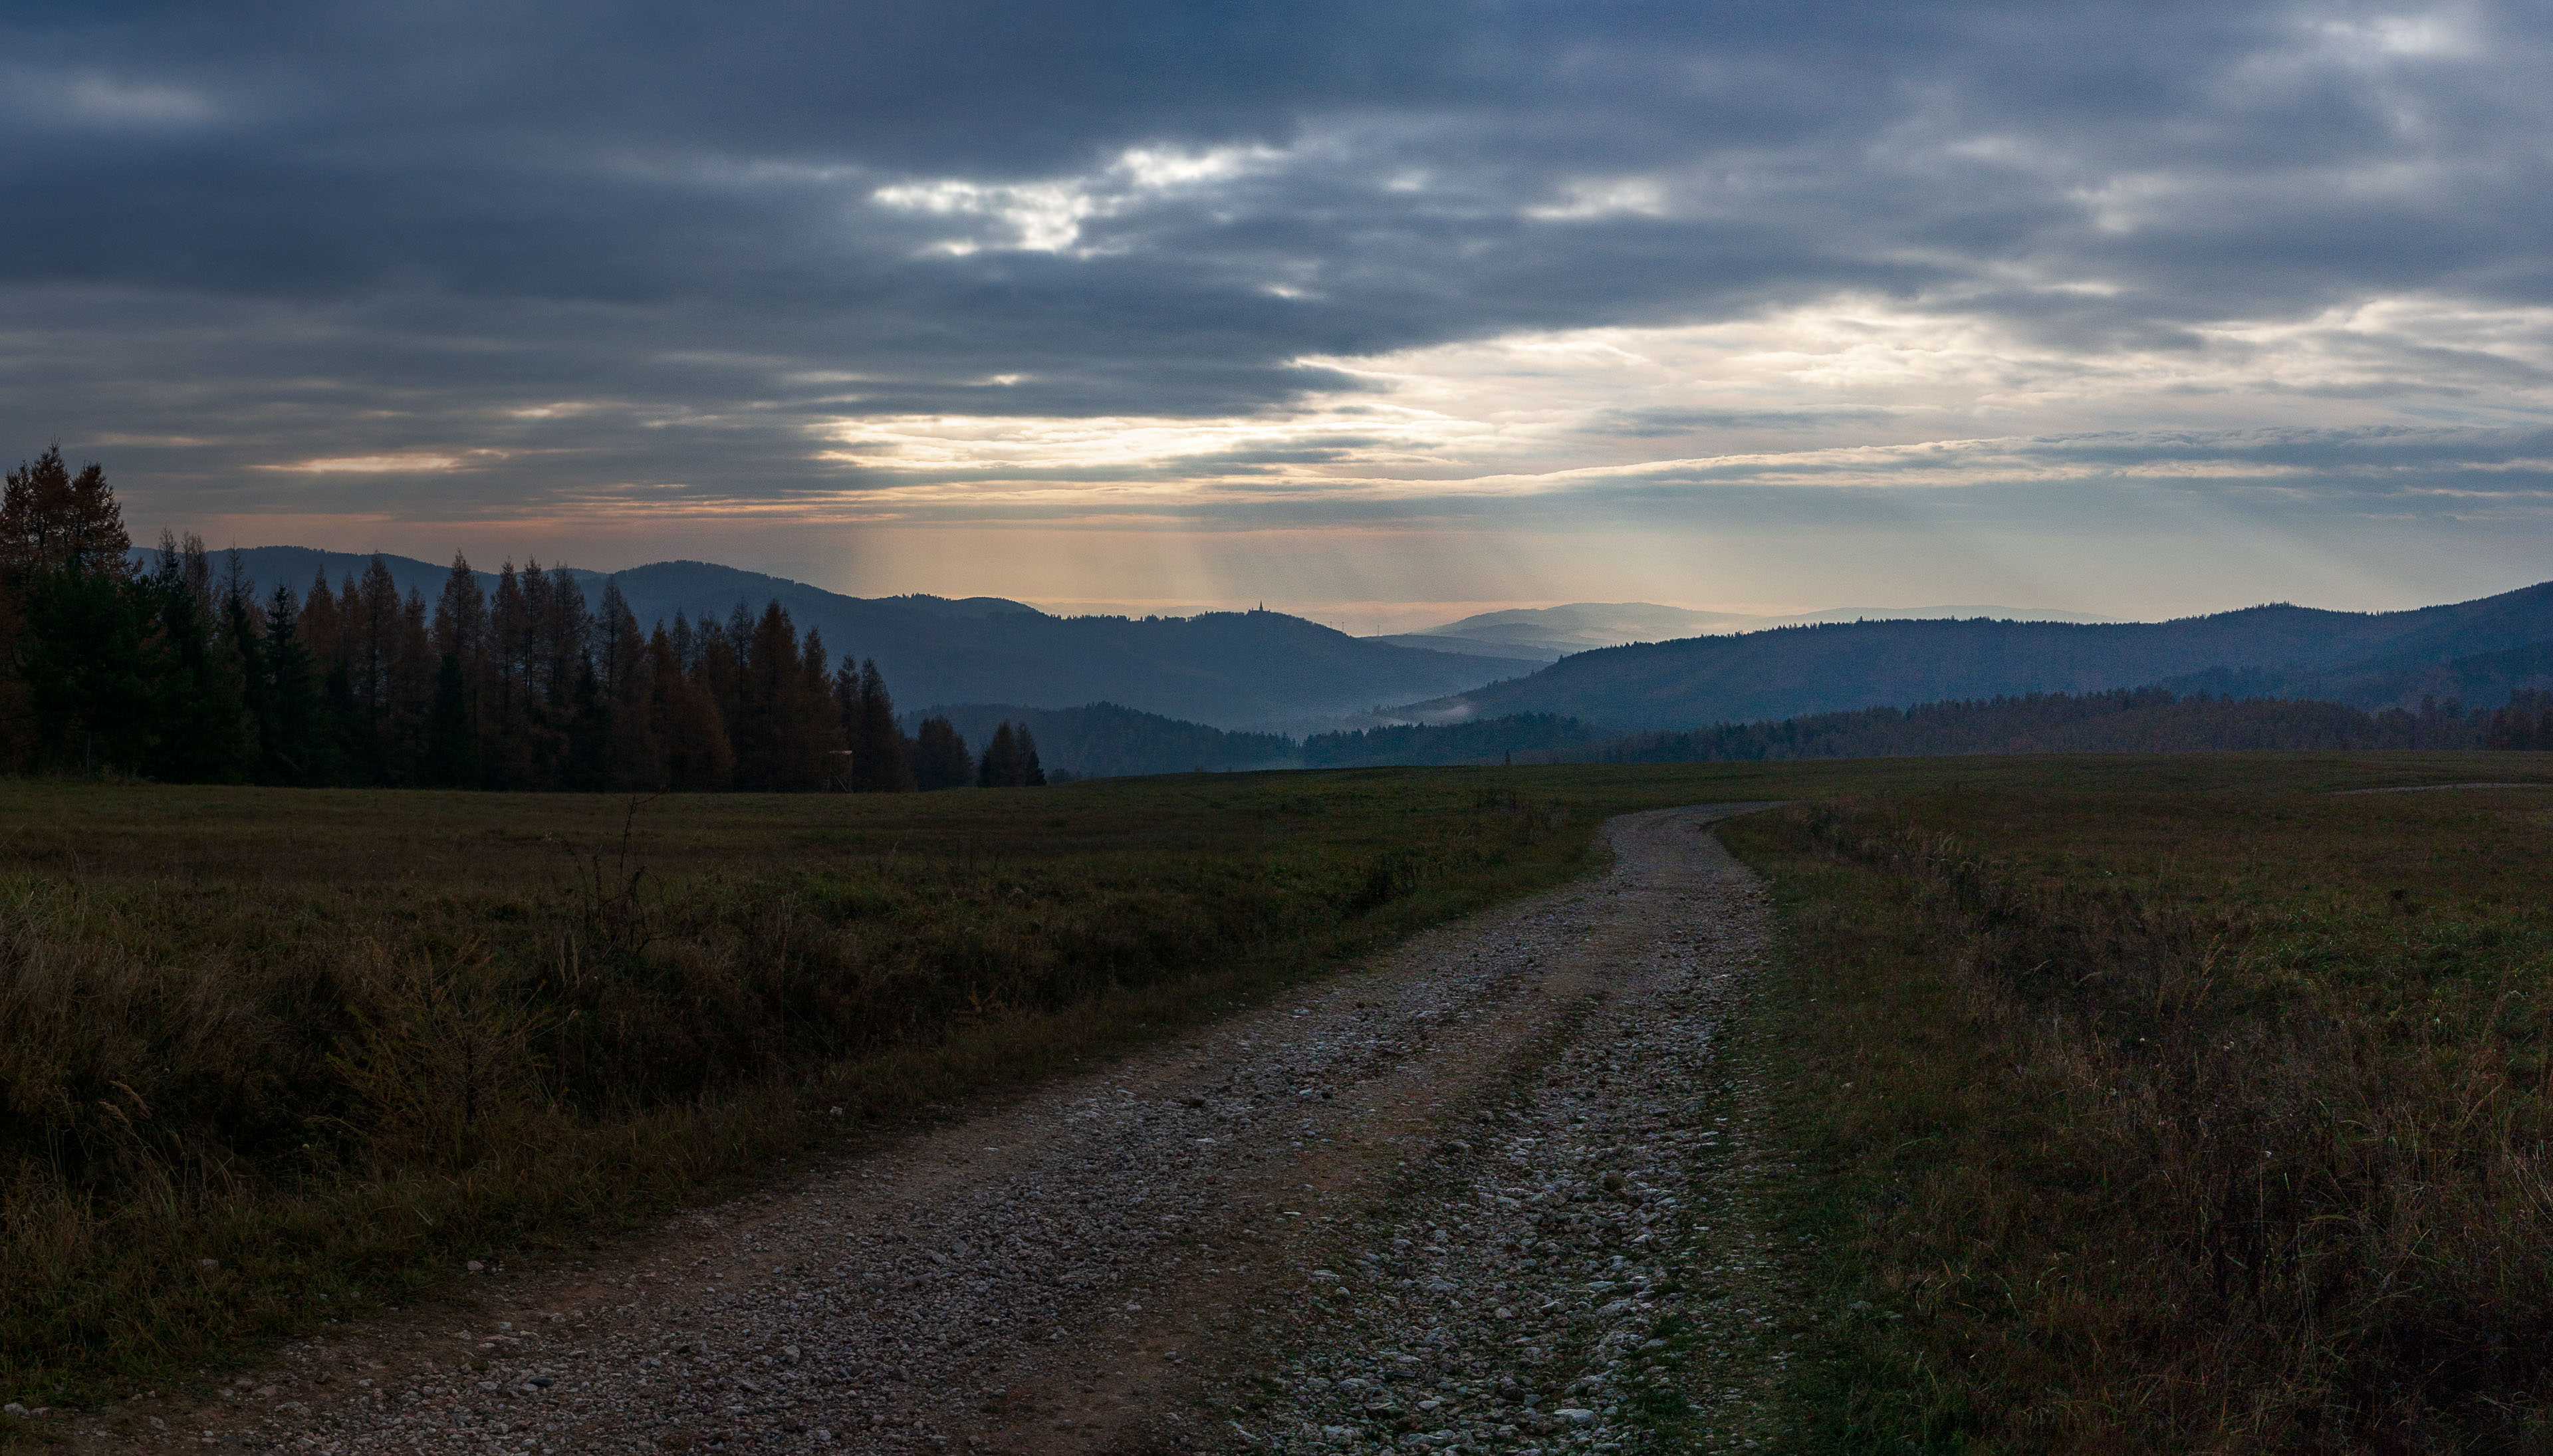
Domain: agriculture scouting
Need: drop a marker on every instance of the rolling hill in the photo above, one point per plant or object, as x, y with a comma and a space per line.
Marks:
1549, 634
1228, 669
2364, 659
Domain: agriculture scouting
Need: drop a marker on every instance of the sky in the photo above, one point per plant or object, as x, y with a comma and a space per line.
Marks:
1383, 313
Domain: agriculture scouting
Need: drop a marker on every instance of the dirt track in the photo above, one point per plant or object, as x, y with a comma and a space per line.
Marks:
1476, 1196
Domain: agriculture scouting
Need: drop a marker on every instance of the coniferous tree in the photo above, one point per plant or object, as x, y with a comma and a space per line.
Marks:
1000, 767
505, 753
345, 746
451, 729
292, 728
357, 683
413, 670
87, 670
1031, 773
632, 755
585, 733
460, 642
717, 678
820, 725
82, 635
882, 760
461, 617
567, 635
198, 734
54, 520
689, 731
543, 722
369, 617
315, 624
768, 752
243, 636
940, 757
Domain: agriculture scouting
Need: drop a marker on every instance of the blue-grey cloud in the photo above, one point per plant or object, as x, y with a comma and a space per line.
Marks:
650, 245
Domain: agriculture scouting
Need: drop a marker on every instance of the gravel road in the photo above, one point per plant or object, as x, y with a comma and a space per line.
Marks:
1485, 1194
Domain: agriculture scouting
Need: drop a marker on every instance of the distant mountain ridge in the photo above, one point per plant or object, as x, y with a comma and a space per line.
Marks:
1549, 634
1228, 669
2364, 659
1257, 670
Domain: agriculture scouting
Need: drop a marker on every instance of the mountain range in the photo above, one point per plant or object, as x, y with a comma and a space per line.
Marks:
1549, 634
2481, 649
1118, 694
1228, 669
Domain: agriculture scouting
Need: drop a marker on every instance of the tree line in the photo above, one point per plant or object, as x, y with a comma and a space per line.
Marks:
2124, 720
188, 673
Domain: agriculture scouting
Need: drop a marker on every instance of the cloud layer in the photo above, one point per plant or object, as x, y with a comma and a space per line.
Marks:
628, 273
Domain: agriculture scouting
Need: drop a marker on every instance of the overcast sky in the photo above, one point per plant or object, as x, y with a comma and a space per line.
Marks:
1374, 310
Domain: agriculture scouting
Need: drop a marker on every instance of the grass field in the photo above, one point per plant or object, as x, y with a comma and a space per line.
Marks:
2180, 1106
274, 1057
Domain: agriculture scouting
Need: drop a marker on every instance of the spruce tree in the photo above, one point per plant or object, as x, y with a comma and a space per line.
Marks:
940, 757
292, 730
198, 731
451, 730
84, 635
1031, 773
882, 761
87, 670
1000, 767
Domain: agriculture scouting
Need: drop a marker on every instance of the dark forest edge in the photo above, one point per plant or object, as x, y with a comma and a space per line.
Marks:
185, 675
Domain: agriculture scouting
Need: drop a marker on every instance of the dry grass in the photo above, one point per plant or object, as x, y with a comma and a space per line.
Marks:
337, 1043
2209, 1119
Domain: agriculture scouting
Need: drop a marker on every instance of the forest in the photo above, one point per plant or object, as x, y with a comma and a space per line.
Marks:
2125, 721
186, 674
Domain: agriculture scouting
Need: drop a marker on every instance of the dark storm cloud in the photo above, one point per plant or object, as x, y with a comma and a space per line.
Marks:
632, 244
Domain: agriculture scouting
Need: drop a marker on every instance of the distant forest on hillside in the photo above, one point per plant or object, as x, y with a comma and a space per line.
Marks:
2127, 721
1109, 740
186, 674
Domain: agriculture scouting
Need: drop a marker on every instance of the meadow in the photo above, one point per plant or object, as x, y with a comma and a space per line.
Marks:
278, 1057
2173, 1105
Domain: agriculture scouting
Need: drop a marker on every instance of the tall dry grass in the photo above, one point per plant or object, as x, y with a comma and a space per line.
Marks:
2140, 1163
336, 1081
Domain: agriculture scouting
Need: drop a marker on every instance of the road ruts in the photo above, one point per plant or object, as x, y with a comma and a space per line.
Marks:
1584, 1265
